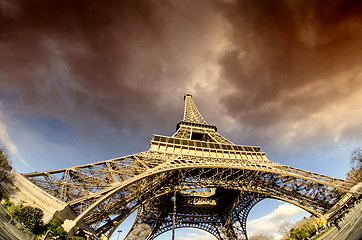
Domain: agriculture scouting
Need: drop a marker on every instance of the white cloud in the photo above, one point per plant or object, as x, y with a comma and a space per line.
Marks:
332, 121
4, 137
270, 224
196, 234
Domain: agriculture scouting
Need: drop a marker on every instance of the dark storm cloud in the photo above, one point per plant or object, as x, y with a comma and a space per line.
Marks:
123, 66
95, 63
289, 60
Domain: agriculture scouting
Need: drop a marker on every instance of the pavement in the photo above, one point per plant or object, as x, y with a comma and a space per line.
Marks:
350, 227
5, 234
10, 229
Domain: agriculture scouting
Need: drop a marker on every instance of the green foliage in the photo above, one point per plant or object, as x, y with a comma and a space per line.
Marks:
77, 238
306, 228
4, 164
299, 233
56, 229
29, 216
53, 225
11, 208
8, 203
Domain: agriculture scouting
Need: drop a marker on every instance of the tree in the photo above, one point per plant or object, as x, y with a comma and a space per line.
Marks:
300, 233
260, 237
4, 164
310, 226
30, 217
305, 228
284, 229
355, 174
356, 158
56, 229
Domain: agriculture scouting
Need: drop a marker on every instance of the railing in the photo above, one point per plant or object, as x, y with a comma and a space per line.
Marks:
13, 228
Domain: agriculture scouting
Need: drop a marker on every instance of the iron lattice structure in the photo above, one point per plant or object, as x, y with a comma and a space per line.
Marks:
217, 184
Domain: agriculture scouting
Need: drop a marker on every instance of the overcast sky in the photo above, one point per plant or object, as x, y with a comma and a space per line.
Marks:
87, 81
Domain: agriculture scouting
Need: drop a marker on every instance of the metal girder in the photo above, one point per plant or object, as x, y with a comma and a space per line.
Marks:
155, 217
195, 158
94, 195
191, 113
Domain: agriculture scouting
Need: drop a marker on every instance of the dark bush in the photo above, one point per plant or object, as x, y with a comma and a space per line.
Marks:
30, 217
56, 229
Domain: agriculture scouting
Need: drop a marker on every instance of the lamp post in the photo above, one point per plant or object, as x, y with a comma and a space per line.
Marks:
174, 213
119, 231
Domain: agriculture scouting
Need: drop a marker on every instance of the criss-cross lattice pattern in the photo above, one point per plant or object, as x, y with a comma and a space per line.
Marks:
191, 114
218, 183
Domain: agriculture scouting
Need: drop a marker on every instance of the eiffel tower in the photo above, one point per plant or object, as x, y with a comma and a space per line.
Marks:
196, 178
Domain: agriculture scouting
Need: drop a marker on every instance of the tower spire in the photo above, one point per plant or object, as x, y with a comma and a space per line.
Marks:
191, 114
97, 197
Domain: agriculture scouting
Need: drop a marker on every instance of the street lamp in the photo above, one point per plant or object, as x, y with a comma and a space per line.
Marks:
119, 231
174, 212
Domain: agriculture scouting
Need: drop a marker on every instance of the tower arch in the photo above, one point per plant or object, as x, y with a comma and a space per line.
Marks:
103, 194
